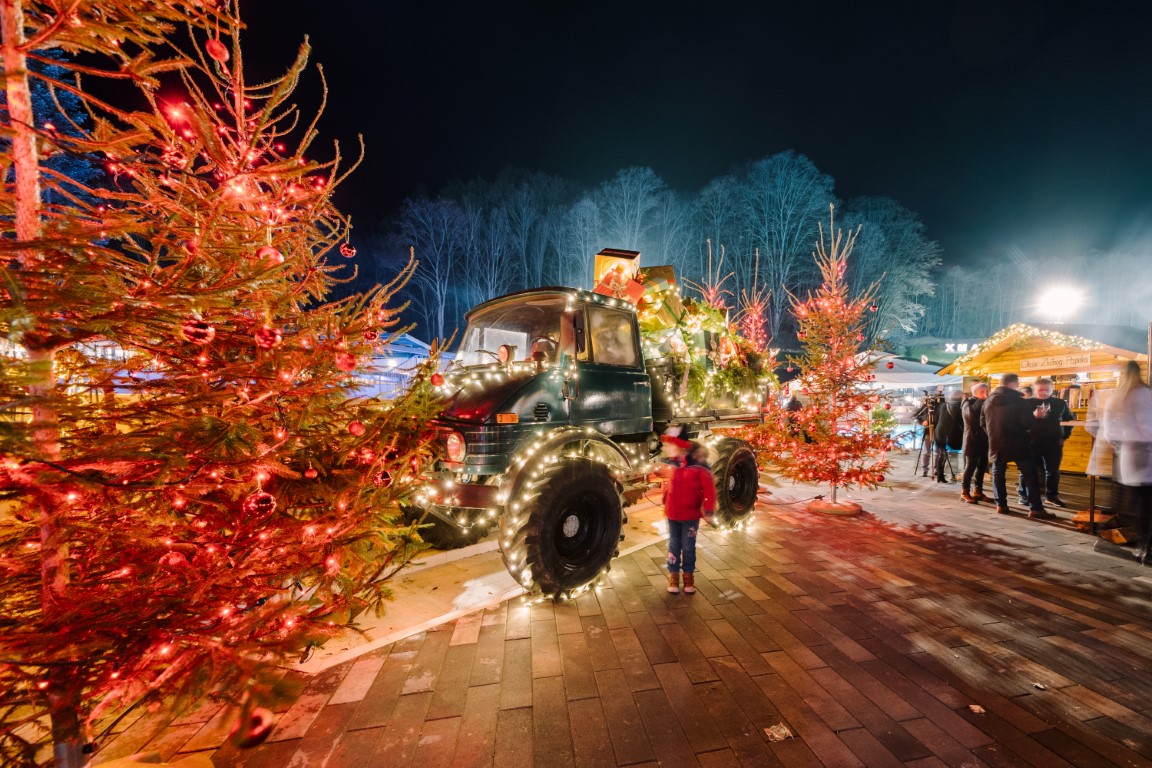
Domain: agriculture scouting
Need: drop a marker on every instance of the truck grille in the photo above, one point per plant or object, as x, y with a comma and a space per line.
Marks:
541, 412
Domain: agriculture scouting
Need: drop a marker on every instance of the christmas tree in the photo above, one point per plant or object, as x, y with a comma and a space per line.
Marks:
830, 439
191, 491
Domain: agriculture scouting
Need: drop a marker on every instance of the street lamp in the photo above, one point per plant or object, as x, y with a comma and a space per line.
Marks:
1060, 302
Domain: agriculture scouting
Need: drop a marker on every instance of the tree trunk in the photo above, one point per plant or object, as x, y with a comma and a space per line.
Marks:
68, 742
19, 96
67, 736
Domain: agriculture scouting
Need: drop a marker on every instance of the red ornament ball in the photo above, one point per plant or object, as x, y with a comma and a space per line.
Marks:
371, 335
198, 331
310, 473
217, 50
269, 253
436, 379
346, 361
887, 406
356, 428
266, 338
382, 479
800, 334
260, 503
347, 250
873, 308
789, 369
879, 478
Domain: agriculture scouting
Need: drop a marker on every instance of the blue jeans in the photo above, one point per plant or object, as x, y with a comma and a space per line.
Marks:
682, 545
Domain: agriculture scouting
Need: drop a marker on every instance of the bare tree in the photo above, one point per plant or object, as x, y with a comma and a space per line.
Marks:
577, 240
893, 249
785, 195
627, 206
672, 239
433, 228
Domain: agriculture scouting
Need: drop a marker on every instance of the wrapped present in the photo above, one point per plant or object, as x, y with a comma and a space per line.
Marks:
625, 263
661, 313
619, 286
660, 279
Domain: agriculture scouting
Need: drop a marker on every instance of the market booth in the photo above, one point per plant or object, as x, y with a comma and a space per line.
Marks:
1082, 361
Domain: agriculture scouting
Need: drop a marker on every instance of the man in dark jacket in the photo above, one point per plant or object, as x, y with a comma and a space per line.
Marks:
1006, 418
975, 446
949, 434
1048, 436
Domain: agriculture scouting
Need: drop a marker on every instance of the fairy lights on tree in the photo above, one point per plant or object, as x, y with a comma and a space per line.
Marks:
829, 440
190, 490
753, 307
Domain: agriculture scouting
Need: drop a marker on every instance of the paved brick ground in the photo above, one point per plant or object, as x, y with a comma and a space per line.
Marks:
924, 633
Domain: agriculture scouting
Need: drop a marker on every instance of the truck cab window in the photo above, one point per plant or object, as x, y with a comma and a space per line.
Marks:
613, 338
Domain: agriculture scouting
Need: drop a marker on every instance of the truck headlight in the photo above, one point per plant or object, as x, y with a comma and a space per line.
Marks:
455, 447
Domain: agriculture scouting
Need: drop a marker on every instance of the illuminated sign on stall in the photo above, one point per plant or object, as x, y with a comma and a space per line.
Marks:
1057, 362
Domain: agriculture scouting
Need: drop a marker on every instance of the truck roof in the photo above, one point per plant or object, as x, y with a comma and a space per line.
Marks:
558, 291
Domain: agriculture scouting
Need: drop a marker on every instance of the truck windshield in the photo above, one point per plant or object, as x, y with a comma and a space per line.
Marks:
531, 328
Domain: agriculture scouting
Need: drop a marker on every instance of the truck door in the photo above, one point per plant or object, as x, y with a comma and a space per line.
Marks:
615, 392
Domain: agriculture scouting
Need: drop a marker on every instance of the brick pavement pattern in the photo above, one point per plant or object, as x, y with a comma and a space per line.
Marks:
875, 641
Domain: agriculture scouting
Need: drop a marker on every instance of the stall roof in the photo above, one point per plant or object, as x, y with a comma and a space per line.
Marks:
1122, 340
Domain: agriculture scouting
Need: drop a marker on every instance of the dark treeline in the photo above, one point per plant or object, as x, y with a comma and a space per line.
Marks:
754, 229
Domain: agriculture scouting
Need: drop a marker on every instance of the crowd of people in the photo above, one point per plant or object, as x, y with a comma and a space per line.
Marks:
992, 428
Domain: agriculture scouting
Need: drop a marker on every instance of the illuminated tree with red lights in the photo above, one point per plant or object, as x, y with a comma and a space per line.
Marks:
753, 307
829, 440
190, 490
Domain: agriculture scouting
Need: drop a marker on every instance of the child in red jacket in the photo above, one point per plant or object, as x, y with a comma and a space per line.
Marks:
690, 495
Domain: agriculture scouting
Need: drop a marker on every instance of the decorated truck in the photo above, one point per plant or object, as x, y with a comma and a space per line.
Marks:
554, 408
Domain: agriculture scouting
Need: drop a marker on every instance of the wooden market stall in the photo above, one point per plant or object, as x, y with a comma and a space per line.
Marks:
1081, 360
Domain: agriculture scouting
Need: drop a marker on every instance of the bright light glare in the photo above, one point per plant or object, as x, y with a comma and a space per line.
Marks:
1060, 302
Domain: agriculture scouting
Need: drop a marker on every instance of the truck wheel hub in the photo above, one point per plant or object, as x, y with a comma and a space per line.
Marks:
571, 526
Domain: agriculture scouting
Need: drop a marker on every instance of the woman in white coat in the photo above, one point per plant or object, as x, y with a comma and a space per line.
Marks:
1127, 425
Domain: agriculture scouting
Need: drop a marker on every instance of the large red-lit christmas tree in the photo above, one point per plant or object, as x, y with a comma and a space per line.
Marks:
190, 491
829, 440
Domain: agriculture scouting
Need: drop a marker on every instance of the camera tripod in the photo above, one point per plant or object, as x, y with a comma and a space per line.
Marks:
928, 441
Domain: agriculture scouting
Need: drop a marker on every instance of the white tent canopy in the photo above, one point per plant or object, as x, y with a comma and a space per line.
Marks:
906, 374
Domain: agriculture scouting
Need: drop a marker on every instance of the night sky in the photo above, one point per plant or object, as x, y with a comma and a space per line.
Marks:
1006, 124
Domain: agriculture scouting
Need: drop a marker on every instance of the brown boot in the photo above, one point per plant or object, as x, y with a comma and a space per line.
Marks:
674, 583
689, 583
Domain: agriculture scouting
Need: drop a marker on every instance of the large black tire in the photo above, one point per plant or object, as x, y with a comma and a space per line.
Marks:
737, 481
443, 535
567, 529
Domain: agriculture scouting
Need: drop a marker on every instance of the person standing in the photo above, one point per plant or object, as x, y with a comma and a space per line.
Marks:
925, 416
1048, 435
949, 433
691, 495
1127, 425
1006, 419
975, 446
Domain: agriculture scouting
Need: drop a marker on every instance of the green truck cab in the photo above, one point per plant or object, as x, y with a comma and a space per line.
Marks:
553, 412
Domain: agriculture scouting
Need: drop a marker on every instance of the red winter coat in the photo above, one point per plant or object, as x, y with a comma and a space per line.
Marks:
690, 491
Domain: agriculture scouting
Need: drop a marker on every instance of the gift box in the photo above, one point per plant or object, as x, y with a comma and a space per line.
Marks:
624, 263
661, 279
661, 313
618, 286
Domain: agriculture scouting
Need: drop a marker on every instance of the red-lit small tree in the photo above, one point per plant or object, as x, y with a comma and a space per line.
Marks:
829, 440
191, 490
